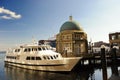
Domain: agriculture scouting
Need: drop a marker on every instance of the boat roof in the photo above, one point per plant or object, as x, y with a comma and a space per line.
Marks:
24, 46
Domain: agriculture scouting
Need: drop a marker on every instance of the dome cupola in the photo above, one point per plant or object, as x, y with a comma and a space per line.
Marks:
70, 25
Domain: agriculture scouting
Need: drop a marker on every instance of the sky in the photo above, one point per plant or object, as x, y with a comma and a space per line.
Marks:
21, 20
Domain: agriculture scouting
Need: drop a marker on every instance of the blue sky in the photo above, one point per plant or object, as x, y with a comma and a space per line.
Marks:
20, 20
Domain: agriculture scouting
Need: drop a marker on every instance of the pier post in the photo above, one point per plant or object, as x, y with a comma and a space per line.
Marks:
90, 61
103, 63
114, 67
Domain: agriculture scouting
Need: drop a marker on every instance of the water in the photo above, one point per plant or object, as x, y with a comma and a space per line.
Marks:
14, 73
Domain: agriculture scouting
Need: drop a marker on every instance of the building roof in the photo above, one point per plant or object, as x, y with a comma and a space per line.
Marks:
70, 25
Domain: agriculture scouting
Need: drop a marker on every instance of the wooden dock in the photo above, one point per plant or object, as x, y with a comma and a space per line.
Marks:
95, 58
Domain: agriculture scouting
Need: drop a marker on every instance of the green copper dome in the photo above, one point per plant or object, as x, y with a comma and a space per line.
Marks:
70, 25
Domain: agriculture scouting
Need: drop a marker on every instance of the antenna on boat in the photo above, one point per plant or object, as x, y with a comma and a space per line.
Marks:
33, 40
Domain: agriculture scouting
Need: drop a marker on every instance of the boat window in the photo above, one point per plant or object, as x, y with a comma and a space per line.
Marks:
28, 58
47, 57
14, 57
51, 57
43, 48
11, 57
25, 50
29, 49
38, 58
32, 58
17, 50
34, 49
44, 57
39, 49
54, 56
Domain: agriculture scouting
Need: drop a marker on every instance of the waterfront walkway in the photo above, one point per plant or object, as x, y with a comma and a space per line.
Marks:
95, 58
103, 59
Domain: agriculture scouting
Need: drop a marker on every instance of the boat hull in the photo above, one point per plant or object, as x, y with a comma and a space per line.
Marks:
67, 64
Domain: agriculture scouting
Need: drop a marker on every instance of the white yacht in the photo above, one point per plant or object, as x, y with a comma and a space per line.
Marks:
39, 57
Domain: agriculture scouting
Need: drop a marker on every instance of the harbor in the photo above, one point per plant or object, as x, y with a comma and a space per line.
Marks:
84, 72
60, 40
71, 54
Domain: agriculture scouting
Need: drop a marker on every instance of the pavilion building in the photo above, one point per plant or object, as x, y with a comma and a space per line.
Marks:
71, 40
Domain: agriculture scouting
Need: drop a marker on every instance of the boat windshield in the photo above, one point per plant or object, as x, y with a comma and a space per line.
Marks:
45, 48
17, 50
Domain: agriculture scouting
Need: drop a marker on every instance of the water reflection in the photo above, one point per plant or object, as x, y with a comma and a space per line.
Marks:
14, 73
114, 67
115, 73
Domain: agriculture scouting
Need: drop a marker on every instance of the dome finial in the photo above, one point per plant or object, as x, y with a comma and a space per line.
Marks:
70, 18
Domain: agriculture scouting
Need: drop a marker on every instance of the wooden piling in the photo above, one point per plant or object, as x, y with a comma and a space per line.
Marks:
103, 64
114, 67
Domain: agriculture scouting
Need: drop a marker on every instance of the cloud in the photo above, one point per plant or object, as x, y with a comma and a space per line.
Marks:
7, 14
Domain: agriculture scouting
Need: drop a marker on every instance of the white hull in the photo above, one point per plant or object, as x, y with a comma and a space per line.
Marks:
39, 57
66, 64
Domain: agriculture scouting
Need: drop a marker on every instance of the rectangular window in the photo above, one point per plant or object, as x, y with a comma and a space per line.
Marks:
38, 58
32, 58
15, 50
39, 49
44, 57
28, 58
51, 57
118, 36
29, 49
43, 48
18, 50
34, 49
25, 50
113, 37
